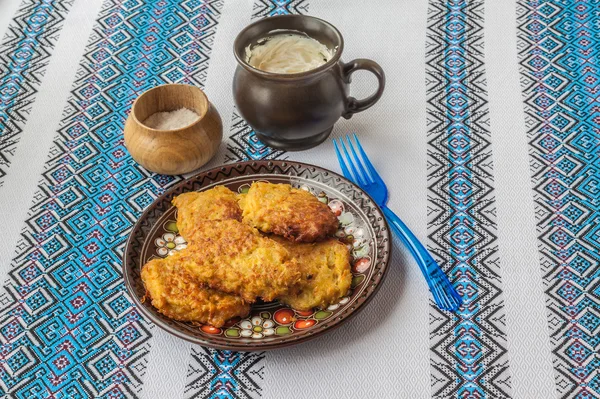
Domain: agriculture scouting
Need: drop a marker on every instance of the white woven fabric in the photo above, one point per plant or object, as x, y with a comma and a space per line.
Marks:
528, 343
8, 10
385, 347
31, 154
384, 351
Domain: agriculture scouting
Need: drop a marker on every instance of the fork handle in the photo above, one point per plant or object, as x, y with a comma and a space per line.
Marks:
444, 293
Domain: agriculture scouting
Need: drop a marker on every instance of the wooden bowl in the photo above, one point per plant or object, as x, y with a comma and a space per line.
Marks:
178, 151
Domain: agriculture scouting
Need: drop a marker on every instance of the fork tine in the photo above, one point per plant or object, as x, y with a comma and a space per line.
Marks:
358, 162
365, 158
359, 178
342, 163
444, 294
441, 298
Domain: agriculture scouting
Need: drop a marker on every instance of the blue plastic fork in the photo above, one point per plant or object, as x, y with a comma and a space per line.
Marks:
364, 174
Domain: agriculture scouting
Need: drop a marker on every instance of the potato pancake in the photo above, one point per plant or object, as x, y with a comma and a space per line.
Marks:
218, 203
174, 292
233, 257
326, 274
288, 212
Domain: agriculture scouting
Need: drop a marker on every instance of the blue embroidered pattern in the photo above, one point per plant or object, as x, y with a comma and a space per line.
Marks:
24, 54
67, 326
224, 374
468, 347
560, 70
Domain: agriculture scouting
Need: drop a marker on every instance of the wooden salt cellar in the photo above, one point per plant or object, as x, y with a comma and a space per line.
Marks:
178, 151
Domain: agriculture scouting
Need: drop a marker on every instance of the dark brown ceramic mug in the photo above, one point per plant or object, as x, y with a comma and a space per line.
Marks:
297, 111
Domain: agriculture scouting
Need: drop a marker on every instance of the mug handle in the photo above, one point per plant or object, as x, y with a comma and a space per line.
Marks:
355, 105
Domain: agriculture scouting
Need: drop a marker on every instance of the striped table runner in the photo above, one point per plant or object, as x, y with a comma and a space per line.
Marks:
488, 135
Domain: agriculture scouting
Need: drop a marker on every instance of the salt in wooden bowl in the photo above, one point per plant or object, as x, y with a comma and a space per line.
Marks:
176, 151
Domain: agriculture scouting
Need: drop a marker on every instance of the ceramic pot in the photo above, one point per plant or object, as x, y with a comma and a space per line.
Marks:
297, 111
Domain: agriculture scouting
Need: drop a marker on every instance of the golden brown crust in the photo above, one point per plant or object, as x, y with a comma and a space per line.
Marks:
218, 203
288, 212
228, 264
233, 257
175, 293
326, 273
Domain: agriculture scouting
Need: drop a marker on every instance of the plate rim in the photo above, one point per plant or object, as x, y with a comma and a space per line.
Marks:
266, 346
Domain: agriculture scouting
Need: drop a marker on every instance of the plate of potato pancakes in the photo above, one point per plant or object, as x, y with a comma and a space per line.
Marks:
257, 255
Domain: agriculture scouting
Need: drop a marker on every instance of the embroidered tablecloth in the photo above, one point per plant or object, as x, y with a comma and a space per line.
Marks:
487, 135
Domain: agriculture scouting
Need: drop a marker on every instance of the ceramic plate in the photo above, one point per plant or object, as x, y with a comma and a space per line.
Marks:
270, 325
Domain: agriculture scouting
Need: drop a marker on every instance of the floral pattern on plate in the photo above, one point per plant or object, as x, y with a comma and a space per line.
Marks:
169, 243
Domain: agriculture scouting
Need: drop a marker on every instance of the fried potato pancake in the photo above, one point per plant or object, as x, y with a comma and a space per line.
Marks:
326, 274
218, 203
233, 257
288, 212
175, 293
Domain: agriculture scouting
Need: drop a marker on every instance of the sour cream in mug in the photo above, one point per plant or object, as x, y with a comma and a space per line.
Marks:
288, 53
